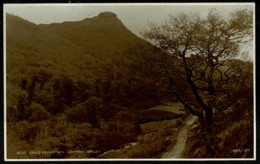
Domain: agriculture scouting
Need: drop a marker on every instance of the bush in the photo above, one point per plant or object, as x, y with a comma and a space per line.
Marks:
36, 112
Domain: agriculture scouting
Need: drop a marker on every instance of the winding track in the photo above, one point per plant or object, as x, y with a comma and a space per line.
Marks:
180, 145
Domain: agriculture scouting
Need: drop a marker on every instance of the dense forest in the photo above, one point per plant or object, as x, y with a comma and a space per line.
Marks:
69, 84
79, 89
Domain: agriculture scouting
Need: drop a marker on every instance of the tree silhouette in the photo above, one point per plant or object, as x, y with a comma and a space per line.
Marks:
197, 54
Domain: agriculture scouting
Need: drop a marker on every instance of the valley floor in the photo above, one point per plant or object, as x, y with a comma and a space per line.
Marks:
159, 139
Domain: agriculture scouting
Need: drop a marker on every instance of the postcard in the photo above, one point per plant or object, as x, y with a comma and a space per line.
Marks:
132, 81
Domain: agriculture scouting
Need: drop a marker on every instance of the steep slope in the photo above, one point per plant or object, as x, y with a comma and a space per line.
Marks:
74, 42
29, 46
66, 77
70, 45
102, 35
84, 52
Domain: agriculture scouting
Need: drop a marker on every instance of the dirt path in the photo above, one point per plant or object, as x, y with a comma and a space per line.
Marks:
179, 148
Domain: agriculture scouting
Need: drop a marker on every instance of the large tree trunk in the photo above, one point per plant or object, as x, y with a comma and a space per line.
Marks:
204, 106
205, 121
208, 120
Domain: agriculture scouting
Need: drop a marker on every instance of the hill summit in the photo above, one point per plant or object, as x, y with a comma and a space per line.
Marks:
81, 50
107, 14
99, 35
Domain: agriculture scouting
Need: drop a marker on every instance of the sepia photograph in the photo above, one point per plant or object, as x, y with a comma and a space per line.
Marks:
133, 81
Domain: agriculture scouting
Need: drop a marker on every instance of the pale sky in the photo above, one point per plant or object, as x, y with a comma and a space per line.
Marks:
135, 17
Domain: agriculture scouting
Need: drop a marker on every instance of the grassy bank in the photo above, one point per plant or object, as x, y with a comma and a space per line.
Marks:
156, 138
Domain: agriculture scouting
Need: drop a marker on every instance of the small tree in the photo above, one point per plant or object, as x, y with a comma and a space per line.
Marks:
36, 112
89, 111
197, 54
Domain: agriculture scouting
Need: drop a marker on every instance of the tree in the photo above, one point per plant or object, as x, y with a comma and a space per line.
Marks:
89, 111
36, 112
197, 54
